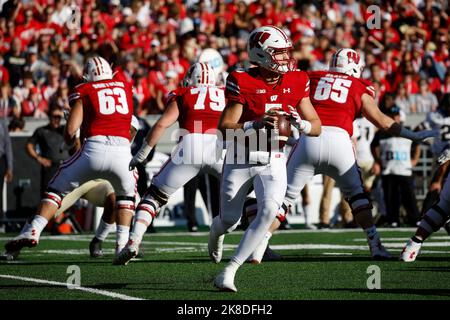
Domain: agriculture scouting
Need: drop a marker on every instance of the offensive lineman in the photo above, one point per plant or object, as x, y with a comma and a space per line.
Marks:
101, 108
254, 97
197, 106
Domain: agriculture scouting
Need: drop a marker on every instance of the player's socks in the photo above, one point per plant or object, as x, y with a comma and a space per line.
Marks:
371, 232
104, 229
37, 225
257, 255
142, 221
123, 233
254, 234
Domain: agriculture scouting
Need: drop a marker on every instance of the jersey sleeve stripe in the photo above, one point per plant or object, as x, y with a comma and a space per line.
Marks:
74, 96
232, 85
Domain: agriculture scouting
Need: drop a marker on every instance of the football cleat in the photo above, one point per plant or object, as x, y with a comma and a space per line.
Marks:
129, 252
95, 248
225, 282
215, 246
410, 251
26, 239
10, 255
447, 227
270, 255
377, 250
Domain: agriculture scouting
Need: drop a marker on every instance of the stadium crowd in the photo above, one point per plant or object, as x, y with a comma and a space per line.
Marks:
44, 43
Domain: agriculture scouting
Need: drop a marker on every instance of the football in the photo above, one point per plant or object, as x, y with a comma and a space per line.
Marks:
282, 129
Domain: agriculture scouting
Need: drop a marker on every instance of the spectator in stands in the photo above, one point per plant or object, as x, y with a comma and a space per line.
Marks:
17, 124
14, 62
34, 106
425, 100
44, 146
8, 105
404, 101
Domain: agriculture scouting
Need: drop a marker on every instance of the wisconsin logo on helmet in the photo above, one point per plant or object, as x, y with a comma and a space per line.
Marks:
258, 39
353, 57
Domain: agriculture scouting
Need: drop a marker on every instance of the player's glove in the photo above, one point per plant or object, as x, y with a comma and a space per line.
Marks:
296, 121
444, 157
141, 156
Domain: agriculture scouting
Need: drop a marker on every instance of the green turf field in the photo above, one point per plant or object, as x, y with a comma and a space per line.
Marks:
315, 265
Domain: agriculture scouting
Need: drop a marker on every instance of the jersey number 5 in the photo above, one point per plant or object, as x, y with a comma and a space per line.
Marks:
335, 89
216, 96
108, 104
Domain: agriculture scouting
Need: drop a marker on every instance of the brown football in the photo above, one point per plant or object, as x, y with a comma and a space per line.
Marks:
282, 128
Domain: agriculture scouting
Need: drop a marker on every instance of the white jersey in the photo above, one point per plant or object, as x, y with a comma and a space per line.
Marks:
366, 133
395, 154
439, 120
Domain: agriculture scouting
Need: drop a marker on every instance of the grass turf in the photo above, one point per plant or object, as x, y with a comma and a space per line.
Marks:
315, 265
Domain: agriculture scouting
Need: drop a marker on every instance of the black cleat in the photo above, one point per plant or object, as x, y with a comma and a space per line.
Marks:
95, 248
447, 227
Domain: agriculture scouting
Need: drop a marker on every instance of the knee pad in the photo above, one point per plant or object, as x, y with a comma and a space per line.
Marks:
359, 202
282, 212
434, 219
157, 195
53, 196
150, 206
125, 203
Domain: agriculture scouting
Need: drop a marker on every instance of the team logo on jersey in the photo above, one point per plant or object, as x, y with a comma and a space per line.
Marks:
273, 98
288, 90
260, 91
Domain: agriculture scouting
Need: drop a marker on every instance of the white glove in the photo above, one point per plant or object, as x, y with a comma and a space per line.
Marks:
141, 156
296, 121
444, 157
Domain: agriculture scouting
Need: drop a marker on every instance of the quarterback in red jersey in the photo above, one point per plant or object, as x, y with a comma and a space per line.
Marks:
197, 107
102, 109
339, 96
254, 98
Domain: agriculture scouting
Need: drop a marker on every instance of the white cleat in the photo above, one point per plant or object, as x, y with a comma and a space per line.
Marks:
225, 282
28, 238
129, 252
410, 251
215, 247
377, 250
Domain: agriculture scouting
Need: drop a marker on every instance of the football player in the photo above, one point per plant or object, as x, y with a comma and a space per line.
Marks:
197, 107
339, 96
437, 215
254, 97
101, 108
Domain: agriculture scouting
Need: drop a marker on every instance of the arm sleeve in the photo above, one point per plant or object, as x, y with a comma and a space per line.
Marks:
233, 90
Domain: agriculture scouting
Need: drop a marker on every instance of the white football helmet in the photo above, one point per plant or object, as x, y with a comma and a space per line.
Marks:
200, 74
96, 69
347, 61
265, 43
214, 58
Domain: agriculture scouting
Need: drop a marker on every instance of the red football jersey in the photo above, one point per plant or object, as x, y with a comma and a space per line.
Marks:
248, 89
337, 98
200, 107
107, 108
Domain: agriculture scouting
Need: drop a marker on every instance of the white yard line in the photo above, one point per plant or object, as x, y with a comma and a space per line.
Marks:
62, 284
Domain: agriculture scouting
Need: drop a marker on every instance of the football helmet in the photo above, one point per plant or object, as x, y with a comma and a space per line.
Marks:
214, 58
97, 69
200, 74
266, 48
347, 61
